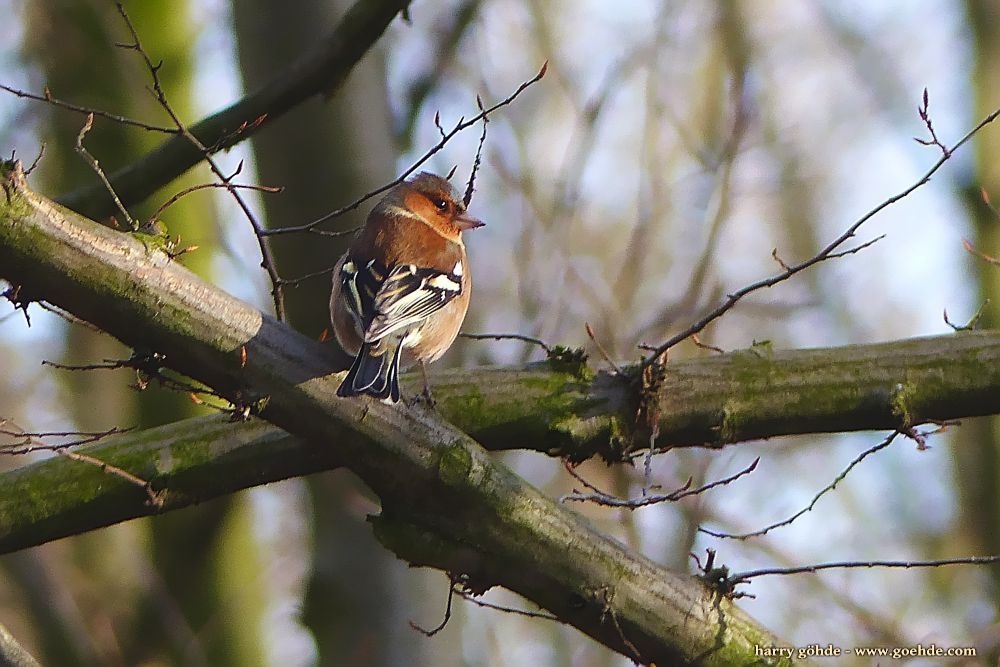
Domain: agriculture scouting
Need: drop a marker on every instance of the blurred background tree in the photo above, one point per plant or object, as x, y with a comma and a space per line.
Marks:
670, 149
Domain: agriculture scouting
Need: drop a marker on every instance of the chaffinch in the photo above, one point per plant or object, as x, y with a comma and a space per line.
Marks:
401, 291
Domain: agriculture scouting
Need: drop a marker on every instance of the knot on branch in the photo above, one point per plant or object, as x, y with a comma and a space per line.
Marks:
647, 386
11, 177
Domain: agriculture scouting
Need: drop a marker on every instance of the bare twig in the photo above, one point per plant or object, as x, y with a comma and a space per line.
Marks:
973, 321
29, 441
461, 125
606, 595
830, 250
154, 498
829, 487
696, 339
971, 249
34, 441
72, 319
600, 348
744, 577
49, 99
267, 256
601, 498
149, 366
466, 595
926, 117
96, 166
307, 276
447, 612
36, 161
781, 262
226, 184
470, 186
527, 339
856, 249
205, 186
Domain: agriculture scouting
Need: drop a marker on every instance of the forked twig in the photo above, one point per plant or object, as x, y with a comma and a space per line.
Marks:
461, 125
49, 99
833, 249
608, 500
808, 508
267, 256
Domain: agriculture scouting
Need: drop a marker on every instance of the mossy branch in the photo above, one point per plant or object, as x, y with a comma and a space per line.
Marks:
432, 478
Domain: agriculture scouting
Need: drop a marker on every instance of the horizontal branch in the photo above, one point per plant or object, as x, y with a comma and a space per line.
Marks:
568, 410
320, 71
445, 502
532, 407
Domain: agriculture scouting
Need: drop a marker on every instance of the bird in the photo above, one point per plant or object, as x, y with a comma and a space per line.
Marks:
401, 291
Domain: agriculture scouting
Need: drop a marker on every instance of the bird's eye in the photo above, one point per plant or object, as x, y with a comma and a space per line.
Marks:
440, 204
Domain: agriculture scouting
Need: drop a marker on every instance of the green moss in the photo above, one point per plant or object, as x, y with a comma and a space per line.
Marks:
552, 397
573, 361
903, 395
618, 431
751, 368
455, 465
734, 419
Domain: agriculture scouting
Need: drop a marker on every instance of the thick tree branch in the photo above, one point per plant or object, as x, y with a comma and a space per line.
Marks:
445, 502
320, 71
714, 401
12, 654
537, 407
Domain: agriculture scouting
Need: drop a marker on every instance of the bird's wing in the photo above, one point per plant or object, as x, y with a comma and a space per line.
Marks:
383, 301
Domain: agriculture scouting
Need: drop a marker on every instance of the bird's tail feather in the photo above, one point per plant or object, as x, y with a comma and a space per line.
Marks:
373, 374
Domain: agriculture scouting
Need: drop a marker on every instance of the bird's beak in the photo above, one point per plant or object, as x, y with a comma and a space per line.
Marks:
466, 222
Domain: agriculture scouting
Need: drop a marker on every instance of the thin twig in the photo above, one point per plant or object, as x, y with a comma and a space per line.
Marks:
36, 161
154, 498
973, 321
96, 166
205, 186
267, 256
696, 339
72, 319
856, 249
601, 498
808, 508
925, 116
149, 366
824, 254
606, 595
465, 595
447, 612
49, 99
600, 348
33, 441
307, 276
527, 339
470, 186
28, 441
461, 125
972, 250
840, 565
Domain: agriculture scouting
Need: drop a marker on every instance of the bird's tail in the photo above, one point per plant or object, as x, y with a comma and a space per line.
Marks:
374, 372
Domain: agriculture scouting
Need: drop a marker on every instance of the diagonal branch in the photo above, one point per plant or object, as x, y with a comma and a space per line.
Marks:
320, 71
445, 502
536, 407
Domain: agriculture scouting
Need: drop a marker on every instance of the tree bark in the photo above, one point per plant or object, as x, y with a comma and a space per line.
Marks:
445, 502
